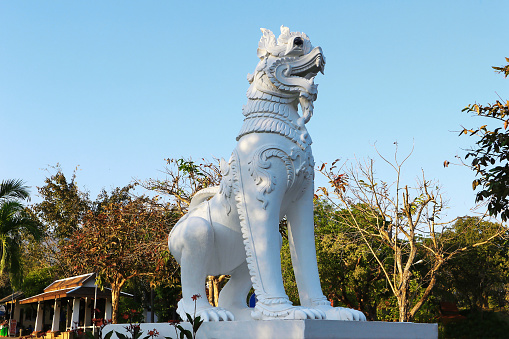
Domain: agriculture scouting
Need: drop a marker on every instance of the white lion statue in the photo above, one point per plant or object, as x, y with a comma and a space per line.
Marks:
234, 228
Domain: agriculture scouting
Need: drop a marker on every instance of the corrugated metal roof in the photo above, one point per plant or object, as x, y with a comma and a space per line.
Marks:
47, 296
59, 288
15, 296
69, 287
69, 282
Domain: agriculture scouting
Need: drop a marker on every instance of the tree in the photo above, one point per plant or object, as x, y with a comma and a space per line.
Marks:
36, 280
346, 262
68, 213
63, 206
491, 155
60, 212
477, 278
184, 178
14, 221
125, 238
405, 220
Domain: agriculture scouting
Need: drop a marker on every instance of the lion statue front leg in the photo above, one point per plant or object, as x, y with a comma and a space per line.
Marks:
303, 252
261, 204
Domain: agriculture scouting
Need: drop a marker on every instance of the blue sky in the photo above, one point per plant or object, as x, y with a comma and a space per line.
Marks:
118, 86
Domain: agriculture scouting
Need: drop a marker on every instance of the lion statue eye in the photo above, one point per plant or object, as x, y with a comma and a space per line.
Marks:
298, 41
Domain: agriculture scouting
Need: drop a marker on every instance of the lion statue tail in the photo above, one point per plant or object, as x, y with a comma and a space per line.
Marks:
203, 195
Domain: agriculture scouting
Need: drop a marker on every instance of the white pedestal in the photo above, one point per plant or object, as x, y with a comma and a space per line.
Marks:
294, 329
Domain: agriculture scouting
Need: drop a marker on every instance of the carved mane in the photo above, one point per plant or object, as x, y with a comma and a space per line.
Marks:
283, 79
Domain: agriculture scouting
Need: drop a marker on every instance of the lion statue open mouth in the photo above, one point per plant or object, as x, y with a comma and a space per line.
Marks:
233, 229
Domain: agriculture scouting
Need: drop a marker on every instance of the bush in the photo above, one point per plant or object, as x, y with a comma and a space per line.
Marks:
487, 324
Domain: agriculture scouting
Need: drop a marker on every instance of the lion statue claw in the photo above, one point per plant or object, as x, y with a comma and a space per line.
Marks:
234, 228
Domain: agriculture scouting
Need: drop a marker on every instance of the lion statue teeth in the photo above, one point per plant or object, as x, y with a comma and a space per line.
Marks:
234, 228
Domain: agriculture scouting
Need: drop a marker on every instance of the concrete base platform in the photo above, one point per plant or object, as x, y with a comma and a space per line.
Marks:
294, 329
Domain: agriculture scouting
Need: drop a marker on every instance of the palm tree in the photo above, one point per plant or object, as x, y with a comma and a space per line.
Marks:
14, 220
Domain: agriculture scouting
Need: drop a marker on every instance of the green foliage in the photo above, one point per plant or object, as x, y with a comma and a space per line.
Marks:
478, 324
119, 196
402, 228
387, 309
185, 177
489, 158
131, 311
131, 307
119, 236
349, 273
14, 222
60, 213
166, 294
166, 297
13, 190
288, 274
64, 205
429, 311
36, 280
480, 274
125, 238
189, 167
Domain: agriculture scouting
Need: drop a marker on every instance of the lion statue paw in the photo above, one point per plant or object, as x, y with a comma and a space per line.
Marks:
341, 313
205, 312
286, 311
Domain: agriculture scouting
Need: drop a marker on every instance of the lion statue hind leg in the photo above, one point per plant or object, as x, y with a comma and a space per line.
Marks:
191, 242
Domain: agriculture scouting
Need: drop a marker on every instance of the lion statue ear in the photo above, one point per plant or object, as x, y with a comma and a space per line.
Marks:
285, 35
267, 42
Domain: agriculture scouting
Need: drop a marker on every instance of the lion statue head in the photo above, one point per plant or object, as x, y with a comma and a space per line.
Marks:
287, 69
